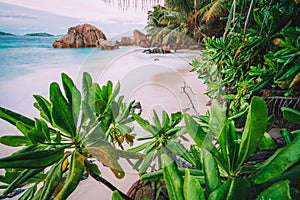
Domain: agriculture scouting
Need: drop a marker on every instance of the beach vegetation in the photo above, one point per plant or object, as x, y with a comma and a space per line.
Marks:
77, 128
74, 127
257, 54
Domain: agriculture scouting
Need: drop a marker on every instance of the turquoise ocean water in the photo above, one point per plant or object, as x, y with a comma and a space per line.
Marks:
21, 55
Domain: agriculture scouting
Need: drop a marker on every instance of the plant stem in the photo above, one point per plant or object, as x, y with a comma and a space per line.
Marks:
107, 184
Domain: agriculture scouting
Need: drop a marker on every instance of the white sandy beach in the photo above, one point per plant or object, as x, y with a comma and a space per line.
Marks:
153, 79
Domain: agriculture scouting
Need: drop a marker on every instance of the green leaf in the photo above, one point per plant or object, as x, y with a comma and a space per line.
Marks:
267, 143
217, 118
23, 177
73, 95
172, 177
86, 84
13, 117
144, 124
254, 129
192, 188
15, 141
141, 147
197, 133
93, 167
235, 188
156, 120
29, 193
146, 162
283, 159
181, 151
201, 138
165, 120
291, 115
211, 171
27, 158
229, 145
105, 153
278, 191
116, 195
45, 107
62, 111
115, 91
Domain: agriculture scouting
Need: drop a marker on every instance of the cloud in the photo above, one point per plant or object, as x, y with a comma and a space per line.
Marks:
92, 10
8, 14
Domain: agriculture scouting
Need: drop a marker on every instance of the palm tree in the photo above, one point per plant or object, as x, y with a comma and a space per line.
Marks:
180, 19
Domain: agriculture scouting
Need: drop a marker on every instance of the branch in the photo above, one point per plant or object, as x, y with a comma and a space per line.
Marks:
107, 184
184, 88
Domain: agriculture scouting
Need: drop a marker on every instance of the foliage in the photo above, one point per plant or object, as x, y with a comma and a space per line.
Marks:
258, 51
74, 128
179, 21
224, 172
162, 135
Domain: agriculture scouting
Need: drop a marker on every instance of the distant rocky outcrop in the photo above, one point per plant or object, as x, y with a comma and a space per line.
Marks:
107, 45
4, 33
140, 39
80, 36
39, 34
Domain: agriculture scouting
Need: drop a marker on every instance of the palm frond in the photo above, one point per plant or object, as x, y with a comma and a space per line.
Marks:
216, 10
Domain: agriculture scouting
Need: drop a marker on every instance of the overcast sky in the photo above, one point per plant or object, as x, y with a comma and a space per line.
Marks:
30, 15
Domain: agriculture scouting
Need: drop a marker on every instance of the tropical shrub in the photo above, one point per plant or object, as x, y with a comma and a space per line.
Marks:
74, 128
223, 172
258, 51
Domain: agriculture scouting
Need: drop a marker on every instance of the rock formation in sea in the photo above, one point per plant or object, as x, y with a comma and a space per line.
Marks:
140, 39
107, 45
80, 36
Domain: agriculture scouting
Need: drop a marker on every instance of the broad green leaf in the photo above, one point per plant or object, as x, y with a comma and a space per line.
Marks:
276, 165
116, 91
141, 147
156, 120
172, 178
291, 115
28, 158
23, 177
129, 154
217, 118
211, 171
73, 95
29, 193
68, 86
116, 195
236, 188
86, 84
255, 128
15, 140
192, 188
144, 124
146, 162
105, 153
229, 145
13, 117
23, 128
278, 191
36, 136
201, 138
267, 143
62, 111
93, 167
197, 133
292, 174
165, 121
181, 151
45, 107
